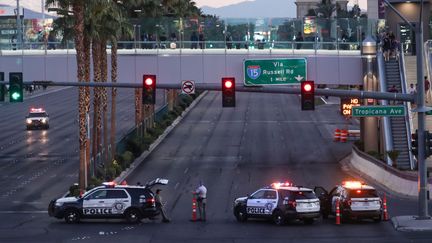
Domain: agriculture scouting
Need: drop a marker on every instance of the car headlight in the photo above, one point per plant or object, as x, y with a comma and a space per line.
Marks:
29, 121
43, 120
58, 204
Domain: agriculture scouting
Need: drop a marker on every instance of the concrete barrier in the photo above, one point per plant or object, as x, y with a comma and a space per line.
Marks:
399, 182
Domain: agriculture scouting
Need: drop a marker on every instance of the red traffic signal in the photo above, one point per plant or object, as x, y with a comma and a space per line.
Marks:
149, 89
307, 95
228, 92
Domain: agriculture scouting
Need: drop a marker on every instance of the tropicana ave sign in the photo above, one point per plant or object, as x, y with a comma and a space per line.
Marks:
367, 111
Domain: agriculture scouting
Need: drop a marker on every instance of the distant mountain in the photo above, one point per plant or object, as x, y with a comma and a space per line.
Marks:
255, 9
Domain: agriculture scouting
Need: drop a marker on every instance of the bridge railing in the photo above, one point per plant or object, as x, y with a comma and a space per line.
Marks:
310, 33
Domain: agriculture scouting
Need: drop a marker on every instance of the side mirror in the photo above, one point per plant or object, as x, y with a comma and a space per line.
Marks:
248, 195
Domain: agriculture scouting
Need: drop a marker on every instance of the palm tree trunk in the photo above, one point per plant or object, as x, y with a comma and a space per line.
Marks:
97, 98
78, 10
113, 96
87, 44
104, 76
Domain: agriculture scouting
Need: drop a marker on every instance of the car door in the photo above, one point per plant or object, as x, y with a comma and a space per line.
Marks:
323, 196
117, 201
94, 203
255, 203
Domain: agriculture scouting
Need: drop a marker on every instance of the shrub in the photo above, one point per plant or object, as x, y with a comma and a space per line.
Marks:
359, 144
375, 154
134, 145
393, 155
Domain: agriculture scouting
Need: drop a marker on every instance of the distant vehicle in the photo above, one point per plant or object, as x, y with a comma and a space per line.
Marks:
356, 201
37, 118
132, 203
279, 202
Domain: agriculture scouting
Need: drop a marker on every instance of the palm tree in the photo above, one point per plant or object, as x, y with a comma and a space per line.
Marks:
78, 30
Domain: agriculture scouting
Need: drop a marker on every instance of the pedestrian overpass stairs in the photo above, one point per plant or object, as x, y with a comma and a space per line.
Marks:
397, 130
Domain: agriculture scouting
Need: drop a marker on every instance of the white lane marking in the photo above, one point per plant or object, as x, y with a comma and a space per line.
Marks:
186, 170
23, 212
176, 185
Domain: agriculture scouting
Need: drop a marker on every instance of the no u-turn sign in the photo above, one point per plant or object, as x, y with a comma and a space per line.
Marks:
188, 87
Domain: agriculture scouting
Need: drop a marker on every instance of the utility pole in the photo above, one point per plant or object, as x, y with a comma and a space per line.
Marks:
19, 28
421, 110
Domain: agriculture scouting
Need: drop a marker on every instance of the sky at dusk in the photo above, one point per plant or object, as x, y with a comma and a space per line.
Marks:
219, 3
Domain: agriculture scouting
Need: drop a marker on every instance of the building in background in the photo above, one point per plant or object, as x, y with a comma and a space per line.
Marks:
303, 6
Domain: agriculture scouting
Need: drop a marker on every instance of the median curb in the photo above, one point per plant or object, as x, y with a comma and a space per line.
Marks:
397, 182
136, 163
411, 224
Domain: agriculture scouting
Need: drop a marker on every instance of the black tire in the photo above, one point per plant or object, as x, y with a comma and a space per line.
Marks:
308, 221
240, 215
278, 218
72, 216
378, 219
325, 215
133, 216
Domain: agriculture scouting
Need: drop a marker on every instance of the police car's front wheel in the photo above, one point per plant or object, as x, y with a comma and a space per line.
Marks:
240, 215
71, 216
132, 216
278, 218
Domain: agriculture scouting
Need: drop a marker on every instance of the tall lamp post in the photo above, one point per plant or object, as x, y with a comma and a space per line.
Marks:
369, 124
19, 28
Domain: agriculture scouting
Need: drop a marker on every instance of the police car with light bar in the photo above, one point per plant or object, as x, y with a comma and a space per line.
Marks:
279, 202
37, 118
132, 203
356, 201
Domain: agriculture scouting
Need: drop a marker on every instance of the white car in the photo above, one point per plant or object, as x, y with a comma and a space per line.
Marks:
37, 118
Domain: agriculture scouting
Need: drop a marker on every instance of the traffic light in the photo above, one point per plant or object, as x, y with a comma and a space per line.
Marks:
15, 87
149, 89
2, 87
307, 95
428, 151
414, 143
228, 92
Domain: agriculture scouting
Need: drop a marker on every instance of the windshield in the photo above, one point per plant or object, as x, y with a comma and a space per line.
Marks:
362, 193
38, 114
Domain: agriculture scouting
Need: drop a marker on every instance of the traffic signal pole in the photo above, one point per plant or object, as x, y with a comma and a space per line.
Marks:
421, 110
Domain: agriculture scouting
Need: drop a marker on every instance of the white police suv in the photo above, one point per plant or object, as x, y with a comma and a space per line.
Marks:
37, 118
109, 201
279, 202
356, 201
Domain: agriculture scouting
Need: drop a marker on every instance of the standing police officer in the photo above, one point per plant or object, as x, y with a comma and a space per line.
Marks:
160, 206
201, 193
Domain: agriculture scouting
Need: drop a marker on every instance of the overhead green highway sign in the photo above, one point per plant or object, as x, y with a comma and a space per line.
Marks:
274, 71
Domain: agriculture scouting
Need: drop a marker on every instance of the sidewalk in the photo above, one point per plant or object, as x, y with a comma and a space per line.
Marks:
411, 224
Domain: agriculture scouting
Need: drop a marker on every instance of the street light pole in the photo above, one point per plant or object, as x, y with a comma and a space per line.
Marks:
421, 110
19, 34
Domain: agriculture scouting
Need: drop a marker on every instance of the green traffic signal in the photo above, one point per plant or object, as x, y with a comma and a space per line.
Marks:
15, 87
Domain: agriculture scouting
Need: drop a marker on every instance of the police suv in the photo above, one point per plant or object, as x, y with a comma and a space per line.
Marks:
109, 201
279, 202
37, 118
356, 201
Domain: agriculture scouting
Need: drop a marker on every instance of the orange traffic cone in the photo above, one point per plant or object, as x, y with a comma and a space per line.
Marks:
344, 135
385, 213
337, 135
194, 209
338, 221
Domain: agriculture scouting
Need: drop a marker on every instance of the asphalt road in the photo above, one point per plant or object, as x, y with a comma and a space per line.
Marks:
39, 165
235, 151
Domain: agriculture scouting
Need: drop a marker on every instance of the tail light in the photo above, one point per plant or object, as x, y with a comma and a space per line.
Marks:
150, 201
292, 204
